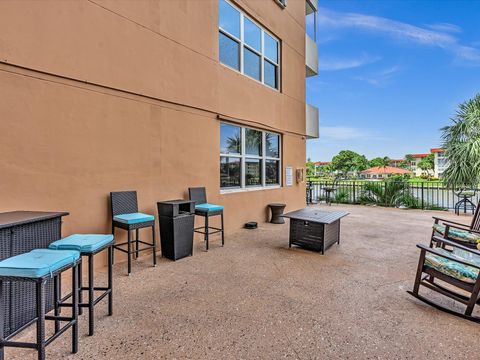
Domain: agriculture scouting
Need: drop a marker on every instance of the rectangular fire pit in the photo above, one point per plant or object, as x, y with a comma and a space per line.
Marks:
314, 229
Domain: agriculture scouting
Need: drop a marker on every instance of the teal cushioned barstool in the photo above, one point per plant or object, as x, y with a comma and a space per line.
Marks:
38, 266
89, 245
206, 210
125, 216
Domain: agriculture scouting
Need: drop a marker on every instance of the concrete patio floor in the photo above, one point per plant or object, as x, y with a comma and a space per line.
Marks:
257, 299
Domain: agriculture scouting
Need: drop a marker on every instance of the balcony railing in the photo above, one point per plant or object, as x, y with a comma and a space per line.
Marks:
311, 56
312, 122
311, 6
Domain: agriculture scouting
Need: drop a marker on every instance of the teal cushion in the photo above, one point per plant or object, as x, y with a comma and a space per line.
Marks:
85, 243
208, 207
133, 218
37, 263
451, 268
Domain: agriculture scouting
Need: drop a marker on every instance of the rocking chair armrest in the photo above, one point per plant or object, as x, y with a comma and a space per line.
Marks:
456, 244
451, 258
437, 219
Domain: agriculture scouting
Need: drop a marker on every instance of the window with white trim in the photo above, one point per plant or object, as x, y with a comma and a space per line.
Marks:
248, 157
247, 47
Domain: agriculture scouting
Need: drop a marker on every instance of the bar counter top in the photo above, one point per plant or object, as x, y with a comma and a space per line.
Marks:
15, 218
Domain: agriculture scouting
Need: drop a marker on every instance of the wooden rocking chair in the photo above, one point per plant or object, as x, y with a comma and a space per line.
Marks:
458, 272
466, 235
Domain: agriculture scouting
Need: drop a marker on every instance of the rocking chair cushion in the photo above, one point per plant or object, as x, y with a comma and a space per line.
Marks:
457, 234
451, 268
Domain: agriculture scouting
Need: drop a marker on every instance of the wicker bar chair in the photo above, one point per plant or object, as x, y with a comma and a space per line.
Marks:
125, 216
459, 272
89, 245
36, 267
206, 210
466, 235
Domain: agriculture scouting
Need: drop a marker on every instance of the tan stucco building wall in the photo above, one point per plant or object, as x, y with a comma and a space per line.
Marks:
99, 96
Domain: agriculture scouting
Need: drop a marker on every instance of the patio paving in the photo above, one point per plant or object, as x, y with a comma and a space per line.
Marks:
257, 299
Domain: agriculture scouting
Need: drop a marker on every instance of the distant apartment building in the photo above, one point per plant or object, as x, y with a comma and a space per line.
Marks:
382, 172
413, 165
440, 161
396, 162
154, 96
319, 167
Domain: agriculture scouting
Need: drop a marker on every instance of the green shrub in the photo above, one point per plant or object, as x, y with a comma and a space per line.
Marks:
387, 193
341, 196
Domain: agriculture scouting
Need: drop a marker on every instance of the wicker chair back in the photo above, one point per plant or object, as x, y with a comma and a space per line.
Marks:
198, 194
123, 202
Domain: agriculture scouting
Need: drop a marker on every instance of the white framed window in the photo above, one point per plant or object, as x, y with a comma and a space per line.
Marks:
246, 46
249, 158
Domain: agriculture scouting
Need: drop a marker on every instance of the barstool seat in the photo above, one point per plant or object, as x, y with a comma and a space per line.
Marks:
85, 243
208, 207
37, 263
133, 218
89, 245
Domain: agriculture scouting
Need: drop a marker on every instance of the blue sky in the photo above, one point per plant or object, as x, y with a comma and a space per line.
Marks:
391, 74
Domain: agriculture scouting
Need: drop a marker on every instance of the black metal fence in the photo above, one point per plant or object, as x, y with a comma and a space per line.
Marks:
422, 195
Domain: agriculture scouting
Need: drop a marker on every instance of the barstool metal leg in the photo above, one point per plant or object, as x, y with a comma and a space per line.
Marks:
80, 286
113, 233
56, 301
223, 230
129, 252
2, 321
206, 231
75, 275
136, 242
91, 295
40, 295
110, 280
154, 246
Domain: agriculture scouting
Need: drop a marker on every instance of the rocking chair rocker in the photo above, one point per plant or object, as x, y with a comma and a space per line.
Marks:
454, 270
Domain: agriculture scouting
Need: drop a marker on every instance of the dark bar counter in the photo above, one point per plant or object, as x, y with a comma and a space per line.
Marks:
21, 232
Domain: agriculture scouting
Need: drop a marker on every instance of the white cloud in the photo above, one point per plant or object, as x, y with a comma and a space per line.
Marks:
446, 27
331, 64
431, 37
345, 133
379, 78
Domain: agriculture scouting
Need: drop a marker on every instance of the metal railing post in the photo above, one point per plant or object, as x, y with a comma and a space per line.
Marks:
354, 197
310, 192
423, 202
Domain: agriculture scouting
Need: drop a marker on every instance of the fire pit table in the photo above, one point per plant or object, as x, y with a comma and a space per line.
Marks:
314, 229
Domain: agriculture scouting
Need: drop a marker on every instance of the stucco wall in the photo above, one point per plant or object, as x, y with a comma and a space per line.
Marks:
65, 144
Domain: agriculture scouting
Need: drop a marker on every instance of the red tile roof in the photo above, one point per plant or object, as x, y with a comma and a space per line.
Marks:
385, 170
419, 155
437, 150
322, 162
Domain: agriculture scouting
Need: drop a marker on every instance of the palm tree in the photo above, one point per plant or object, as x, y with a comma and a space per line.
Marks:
234, 143
461, 142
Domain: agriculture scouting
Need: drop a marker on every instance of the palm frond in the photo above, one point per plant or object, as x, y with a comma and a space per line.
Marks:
461, 142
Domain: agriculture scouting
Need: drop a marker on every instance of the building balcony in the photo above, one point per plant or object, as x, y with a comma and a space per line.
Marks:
311, 56
311, 6
312, 122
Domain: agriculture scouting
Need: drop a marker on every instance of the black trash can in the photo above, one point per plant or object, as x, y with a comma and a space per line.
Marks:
176, 219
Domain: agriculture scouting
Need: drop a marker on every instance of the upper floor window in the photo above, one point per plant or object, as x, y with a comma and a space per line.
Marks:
247, 47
